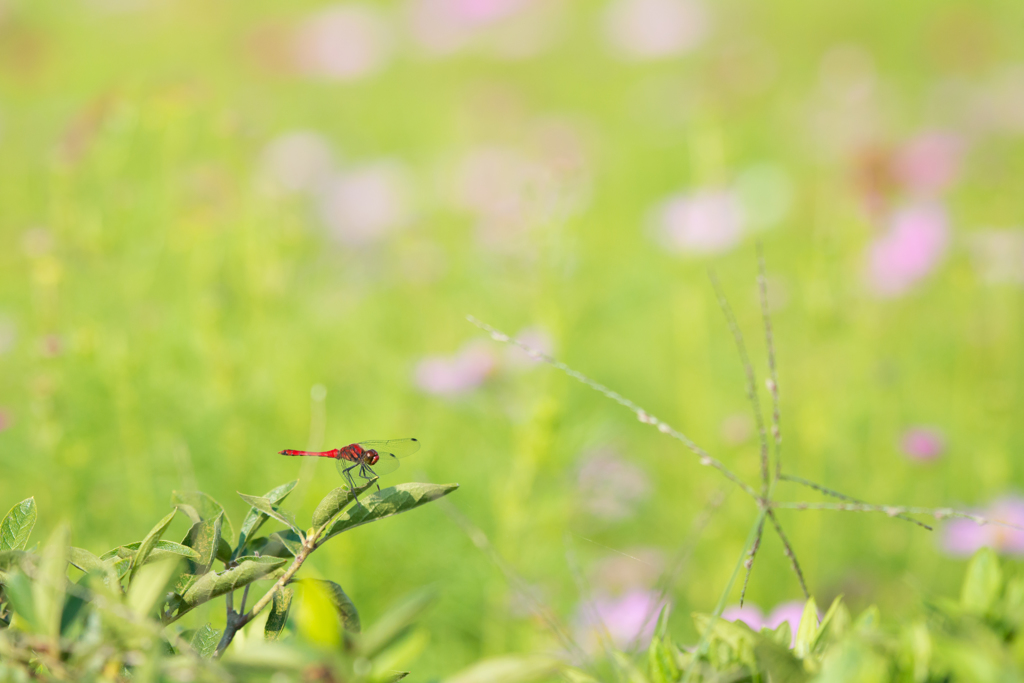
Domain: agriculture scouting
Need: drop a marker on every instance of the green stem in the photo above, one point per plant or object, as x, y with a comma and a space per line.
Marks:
238, 621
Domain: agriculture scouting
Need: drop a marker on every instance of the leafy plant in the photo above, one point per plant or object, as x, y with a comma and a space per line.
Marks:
976, 638
118, 619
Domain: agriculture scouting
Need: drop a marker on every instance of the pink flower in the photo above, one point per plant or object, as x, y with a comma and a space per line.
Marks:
510, 191
609, 487
626, 619
343, 43
509, 28
299, 161
923, 443
909, 251
457, 374
365, 204
964, 537
655, 29
703, 222
929, 163
752, 616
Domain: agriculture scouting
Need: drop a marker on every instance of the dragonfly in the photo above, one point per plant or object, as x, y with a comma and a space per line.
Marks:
369, 458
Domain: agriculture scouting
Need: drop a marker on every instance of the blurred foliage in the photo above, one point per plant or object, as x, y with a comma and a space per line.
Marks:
167, 322
117, 621
977, 638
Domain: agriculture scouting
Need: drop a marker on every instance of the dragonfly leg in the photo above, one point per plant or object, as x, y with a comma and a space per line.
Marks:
348, 477
368, 474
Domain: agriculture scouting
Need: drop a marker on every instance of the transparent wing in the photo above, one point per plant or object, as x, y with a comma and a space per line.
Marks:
399, 448
386, 465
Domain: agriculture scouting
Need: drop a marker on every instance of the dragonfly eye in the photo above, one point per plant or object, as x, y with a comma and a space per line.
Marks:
372, 456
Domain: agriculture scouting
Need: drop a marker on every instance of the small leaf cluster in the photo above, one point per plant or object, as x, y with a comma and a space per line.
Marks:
977, 638
116, 617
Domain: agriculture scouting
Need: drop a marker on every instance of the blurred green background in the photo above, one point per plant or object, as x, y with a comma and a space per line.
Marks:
228, 228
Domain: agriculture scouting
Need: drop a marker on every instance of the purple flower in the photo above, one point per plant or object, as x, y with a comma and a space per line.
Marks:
909, 251
343, 43
364, 204
929, 162
753, 617
609, 487
708, 221
626, 619
655, 29
299, 161
923, 443
457, 374
964, 537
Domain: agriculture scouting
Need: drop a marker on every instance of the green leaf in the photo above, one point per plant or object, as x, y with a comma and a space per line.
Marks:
288, 540
50, 584
204, 641
224, 550
149, 585
214, 584
507, 669
832, 627
160, 551
18, 590
983, 583
661, 630
278, 613
336, 501
149, 542
779, 662
342, 603
807, 630
661, 665
266, 507
85, 561
204, 539
390, 501
394, 623
255, 518
203, 506
17, 525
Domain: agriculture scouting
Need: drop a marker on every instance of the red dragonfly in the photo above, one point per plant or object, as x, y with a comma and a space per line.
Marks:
372, 458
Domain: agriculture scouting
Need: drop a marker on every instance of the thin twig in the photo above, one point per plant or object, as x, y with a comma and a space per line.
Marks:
641, 414
748, 368
788, 549
895, 510
841, 496
705, 637
749, 564
773, 379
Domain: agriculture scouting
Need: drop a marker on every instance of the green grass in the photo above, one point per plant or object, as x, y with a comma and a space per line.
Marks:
194, 313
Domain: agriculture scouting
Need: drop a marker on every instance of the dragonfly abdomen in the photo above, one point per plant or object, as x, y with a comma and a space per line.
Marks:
322, 454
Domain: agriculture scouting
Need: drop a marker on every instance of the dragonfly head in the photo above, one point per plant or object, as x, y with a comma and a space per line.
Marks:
371, 457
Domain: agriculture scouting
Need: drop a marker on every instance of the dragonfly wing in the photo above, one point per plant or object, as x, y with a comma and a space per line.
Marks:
399, 448
386, 465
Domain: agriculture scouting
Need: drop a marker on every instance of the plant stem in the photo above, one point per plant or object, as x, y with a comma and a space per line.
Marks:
238, 621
